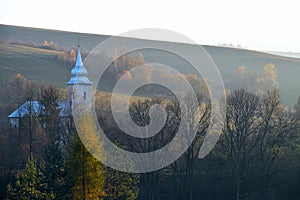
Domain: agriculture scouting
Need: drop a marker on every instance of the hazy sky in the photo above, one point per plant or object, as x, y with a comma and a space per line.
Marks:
256, 24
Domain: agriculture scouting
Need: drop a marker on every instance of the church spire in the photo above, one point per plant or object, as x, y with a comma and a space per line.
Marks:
79, 72
78, 59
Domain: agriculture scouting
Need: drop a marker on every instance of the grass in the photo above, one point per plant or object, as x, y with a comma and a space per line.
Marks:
37, 65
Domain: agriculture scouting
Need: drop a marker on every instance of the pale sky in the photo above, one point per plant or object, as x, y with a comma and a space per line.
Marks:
256, 24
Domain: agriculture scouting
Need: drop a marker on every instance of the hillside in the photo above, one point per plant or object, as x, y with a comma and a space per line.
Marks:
40, 65
38, 36
37, 65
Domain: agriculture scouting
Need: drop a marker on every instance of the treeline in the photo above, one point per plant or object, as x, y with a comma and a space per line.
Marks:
50, 45
256, 157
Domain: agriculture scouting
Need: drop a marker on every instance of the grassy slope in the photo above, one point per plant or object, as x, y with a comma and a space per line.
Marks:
38, 36
39, 65
35, 64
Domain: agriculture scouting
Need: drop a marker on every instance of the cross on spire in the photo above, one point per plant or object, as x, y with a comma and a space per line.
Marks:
78, 43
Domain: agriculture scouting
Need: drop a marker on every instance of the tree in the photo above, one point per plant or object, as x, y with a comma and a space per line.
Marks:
297, 109
55, 170
30, 184
85, 173
49, 45
120, 185
276, 128
139, 111
194, 117
240, 135
50, 120
255, 136
19, 90
255, 81
16, 91
49, 100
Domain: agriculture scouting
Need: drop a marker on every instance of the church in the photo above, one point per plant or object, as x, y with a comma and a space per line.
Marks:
79, 78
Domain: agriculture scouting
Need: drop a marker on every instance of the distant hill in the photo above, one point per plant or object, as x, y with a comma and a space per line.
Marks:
286, 54
40, 65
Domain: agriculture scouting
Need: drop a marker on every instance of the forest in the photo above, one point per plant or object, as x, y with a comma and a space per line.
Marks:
257, 156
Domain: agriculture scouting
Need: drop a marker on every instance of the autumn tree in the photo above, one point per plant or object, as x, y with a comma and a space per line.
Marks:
85, 173
67, 57
16, 91
49, 45
255, 81
243, 77
20, 90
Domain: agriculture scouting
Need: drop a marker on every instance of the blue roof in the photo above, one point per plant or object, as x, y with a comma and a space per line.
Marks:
64, 107
79, 73
24, 110
38, 109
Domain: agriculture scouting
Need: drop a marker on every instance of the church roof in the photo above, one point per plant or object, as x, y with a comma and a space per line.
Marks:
37, 109
24, 110
79, 72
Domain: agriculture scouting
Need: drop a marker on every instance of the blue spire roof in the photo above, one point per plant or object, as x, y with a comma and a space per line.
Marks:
79, 60
79, 72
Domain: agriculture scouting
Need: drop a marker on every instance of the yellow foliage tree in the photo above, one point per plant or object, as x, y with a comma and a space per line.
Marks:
86, 174
270, 70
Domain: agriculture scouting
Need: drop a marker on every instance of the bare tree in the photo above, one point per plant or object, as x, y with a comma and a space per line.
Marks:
50, 108
240, 135
139, 111
255, 135
49, 119
277, 126
194, 116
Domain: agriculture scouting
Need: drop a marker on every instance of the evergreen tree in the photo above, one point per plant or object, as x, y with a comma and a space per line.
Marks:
30, 184
54, 169
121, 185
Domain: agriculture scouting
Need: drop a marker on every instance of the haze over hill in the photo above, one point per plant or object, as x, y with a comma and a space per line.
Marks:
285, 54
40, 65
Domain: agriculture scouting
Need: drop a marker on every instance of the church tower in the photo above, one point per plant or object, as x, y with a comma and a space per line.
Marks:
79, 86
